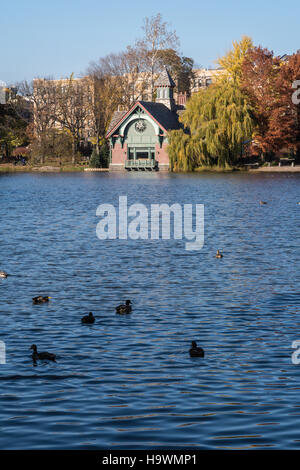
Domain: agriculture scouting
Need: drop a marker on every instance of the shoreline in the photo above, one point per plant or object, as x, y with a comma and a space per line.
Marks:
7, 168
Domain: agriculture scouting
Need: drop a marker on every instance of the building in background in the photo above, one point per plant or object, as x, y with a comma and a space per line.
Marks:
139, 138
6, 93
69, 105
203, 78
65, 104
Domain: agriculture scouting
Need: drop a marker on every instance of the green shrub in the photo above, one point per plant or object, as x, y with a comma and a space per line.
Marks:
95, 160
101, 159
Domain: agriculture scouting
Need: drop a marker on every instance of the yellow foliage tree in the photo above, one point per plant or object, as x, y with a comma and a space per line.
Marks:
233, 60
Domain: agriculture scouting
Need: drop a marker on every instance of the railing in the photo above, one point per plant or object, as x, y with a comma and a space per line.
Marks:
143, 164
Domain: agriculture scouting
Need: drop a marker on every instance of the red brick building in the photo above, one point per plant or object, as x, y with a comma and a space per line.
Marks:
139, 137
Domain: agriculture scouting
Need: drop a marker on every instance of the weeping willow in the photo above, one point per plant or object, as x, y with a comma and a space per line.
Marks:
216, 123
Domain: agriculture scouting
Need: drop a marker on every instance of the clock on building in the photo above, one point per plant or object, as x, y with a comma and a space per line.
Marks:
140, 125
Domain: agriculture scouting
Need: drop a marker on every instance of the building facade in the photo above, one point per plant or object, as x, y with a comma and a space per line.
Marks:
6, 93
138, 138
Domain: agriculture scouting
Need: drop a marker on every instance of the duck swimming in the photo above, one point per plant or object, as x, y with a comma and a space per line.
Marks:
40, 299
219, 255
3, 274
262, 202
195, 351
124, 308
88, 318
42, 355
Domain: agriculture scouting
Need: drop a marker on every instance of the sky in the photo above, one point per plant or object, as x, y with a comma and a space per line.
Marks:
54, 38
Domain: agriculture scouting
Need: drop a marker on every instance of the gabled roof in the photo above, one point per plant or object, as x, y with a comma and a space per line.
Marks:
165, 118
117, 116
165, 79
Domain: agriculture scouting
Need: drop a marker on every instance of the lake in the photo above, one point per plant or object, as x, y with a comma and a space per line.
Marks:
128, 382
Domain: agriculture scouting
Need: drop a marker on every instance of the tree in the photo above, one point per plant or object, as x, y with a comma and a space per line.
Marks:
12, 129
74, 108
267, 82
43, 95
116, 82
101, 159
286, 117
232, 61
56, 146
157, 37
180, 68
219, 120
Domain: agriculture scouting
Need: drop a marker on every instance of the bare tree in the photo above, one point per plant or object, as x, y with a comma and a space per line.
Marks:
74, 97
42, 94
117, 84
157, 37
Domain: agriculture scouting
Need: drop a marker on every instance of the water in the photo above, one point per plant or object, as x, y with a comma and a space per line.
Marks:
128, 381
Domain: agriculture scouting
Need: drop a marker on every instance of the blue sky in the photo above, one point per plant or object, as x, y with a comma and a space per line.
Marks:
58, 37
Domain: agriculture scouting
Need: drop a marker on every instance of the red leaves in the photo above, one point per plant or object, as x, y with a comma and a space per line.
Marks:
268, 83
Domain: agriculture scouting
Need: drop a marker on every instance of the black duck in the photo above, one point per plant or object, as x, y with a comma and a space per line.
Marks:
88, 318
42, 355
124, 308
195, 351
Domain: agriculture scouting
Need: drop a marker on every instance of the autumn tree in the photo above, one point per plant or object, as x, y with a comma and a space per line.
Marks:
217, 121
287, 115
267, 82
232, 61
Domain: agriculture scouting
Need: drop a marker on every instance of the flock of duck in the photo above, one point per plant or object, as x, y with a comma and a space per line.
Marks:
122, 309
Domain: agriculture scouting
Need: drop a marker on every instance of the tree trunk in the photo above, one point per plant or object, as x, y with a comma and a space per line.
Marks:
97, 143
73, 151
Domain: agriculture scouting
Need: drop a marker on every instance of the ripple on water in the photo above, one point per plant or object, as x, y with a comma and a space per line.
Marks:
128, 381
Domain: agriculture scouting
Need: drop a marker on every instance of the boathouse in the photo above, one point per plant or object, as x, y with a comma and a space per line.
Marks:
139, 137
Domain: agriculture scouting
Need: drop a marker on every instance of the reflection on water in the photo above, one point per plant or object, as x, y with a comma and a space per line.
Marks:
128, 381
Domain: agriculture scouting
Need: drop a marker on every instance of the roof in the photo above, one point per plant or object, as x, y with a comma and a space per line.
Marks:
165, 79
165, 118
117, 116
168, 119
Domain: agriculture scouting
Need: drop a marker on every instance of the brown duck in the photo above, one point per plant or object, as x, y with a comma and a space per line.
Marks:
40, 299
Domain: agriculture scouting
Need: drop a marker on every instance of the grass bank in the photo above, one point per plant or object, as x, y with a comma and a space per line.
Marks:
10, 168
217, 169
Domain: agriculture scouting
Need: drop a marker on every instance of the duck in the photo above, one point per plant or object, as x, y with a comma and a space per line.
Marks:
42, 355
219, 255
262, 202
88, 318
3, 274
195, 351
40, 299
124, 308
